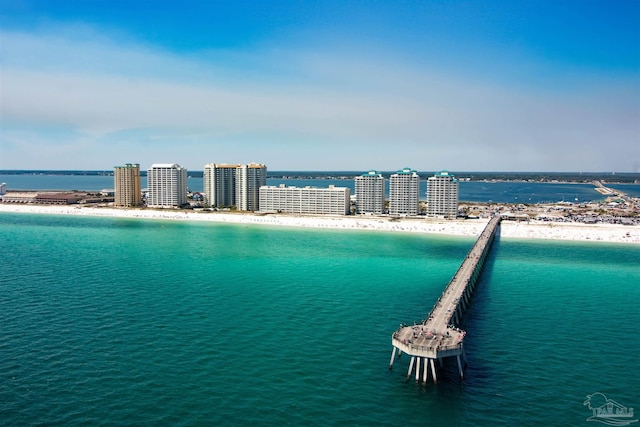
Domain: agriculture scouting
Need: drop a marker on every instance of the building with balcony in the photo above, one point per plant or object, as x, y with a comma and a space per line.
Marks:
404, 188
249, 179
370, 193
220, 184
128, 192
442, 195
234, 185
306, 200
167, 186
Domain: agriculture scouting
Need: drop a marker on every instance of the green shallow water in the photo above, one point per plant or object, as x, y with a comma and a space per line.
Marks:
138, 322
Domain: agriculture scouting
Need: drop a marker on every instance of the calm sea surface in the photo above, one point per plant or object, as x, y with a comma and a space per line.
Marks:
475, 191
107, 321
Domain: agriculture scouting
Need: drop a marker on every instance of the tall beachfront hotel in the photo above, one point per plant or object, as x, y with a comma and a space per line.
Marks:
167, 186
249, 179
442, 195
370, 193
220, 185
128, 192
227, 185
404, 187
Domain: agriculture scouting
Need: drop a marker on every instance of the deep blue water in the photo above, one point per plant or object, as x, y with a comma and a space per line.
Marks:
474, 191
107, 321
632, 190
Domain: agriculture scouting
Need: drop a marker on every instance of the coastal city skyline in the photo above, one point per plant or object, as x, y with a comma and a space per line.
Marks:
243, 187
487, 86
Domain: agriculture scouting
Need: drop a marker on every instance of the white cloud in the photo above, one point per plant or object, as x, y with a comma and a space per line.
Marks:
315, 110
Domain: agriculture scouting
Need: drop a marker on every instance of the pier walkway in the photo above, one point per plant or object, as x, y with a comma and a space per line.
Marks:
438, 336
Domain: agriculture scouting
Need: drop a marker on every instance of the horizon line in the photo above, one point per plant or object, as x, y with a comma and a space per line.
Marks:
351, 171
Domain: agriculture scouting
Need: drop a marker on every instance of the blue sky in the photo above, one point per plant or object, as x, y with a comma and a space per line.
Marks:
327, 85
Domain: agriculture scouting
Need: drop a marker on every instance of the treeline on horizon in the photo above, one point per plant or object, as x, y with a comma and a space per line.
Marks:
614, 177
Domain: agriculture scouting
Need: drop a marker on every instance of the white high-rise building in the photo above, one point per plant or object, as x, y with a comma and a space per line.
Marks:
404, 187
126, 180
306, 200
442, 195
249, 179
167, 186
220, 185
370, 193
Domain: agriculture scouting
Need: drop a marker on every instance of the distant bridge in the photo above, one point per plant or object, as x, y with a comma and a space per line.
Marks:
438, 336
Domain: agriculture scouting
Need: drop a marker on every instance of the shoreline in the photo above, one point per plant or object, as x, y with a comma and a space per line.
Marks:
612, 233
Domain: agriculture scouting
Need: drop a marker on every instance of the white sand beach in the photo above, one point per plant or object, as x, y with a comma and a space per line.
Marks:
473, 227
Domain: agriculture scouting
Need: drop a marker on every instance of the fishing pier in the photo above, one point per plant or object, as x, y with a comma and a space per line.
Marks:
438, 336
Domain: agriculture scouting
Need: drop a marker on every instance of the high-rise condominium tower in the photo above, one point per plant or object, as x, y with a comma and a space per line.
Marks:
127, 185
220, 185
249, 179
370, 193
404, 187
234, 185
167, 185
442, 194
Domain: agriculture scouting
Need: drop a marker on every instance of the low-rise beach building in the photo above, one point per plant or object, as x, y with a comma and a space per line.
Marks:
305, 200
43, 197
20, 197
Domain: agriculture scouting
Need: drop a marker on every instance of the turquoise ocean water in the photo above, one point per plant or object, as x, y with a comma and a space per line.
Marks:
108, 321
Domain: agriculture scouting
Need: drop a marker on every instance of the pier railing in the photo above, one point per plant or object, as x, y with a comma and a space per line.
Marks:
487, 234
437, 337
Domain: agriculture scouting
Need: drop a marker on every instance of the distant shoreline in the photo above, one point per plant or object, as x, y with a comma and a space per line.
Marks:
473, 176
613, 233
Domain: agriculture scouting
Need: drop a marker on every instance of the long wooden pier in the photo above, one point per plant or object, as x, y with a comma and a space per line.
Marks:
438, 336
